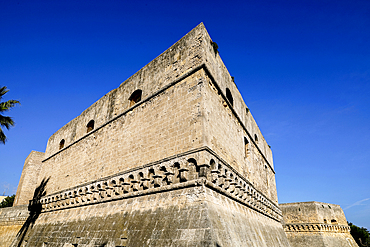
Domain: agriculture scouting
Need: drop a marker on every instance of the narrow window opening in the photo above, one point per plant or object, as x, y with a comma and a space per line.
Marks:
90, 126
256, 138
333, 221
246, 147
325, 221
135, 97
61, 144
229, 97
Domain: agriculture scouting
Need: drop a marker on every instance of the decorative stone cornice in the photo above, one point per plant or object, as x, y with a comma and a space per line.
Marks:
201, 167
316, 227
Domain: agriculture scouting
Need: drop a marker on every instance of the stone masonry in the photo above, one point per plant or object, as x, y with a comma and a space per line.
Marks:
316, 224
172, 157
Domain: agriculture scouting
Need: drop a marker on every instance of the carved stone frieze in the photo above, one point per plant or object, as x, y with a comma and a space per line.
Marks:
199, 168
316, 228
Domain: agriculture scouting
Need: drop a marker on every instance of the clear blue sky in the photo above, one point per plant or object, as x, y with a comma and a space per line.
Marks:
303, 68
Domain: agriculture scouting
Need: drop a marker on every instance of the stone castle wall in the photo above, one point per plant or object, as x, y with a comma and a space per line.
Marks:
195, 199
165, 125
316, 224
29, 178
11, 221
183, 164
126, 136
229, 142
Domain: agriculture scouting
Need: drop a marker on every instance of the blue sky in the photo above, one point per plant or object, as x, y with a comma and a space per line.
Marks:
303, 68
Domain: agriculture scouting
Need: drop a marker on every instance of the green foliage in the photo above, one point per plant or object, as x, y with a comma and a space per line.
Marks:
8, 202
360, 234
4, 120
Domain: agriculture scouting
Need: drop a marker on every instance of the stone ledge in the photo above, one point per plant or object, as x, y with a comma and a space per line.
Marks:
199, 168
312, 227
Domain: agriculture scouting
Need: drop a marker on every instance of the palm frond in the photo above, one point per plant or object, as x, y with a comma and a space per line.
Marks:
6, 121
5, 106
2, 136
3, 90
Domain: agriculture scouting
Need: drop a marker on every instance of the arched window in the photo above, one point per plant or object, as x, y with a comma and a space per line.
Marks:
246, 147
229, 97
135, 97
61, 144
90, 126
256, 138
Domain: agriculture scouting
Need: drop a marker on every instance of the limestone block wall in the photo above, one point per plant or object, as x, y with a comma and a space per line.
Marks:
118, 143
224, 82
313, 212
185, 214
167, 124
190, 52
227, 137
11, 221
29, 178
181, 58
316, 224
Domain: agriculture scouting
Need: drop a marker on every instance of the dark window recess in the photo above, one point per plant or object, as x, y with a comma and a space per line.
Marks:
135, 97
90, 126
61, 144
229, 97
246, 147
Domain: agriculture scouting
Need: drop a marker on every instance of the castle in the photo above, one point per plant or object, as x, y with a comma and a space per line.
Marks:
172, 157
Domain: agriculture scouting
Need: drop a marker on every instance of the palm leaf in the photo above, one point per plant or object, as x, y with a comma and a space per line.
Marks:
5, 106
2, 136
3, 90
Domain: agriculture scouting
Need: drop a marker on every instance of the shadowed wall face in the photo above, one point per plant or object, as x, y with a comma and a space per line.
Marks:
29, 178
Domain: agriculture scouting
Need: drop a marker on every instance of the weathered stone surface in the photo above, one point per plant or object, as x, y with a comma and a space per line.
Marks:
316, 224
11, 221
172, 157
29, 178
193, 216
